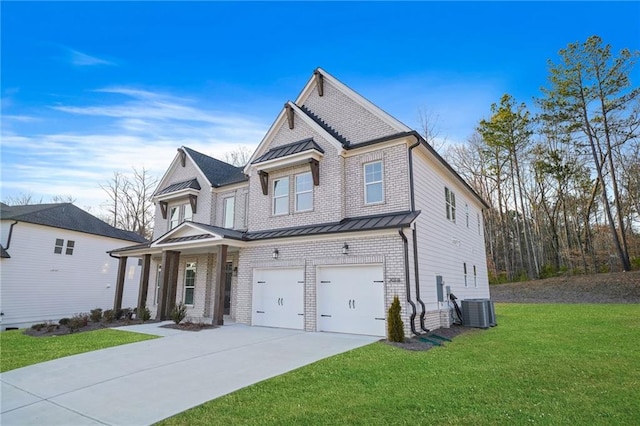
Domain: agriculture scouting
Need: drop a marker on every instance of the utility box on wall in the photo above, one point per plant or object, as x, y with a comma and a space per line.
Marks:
440, 288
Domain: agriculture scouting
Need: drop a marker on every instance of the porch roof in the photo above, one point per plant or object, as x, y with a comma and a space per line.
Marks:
187, 184
289, 149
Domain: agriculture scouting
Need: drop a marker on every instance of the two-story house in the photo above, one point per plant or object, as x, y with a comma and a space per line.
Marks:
340, 208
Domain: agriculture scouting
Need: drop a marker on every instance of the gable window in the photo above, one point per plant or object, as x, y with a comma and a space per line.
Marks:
174, 217
58, 247
450, 201
373, 188
178, 214
188, 212
465, 274
70, 246
189, 283
281, 196
304, 192
229, 210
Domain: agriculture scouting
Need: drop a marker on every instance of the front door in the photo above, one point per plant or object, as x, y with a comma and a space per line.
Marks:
228, 273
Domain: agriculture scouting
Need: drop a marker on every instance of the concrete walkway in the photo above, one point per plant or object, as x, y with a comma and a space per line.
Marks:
144, 382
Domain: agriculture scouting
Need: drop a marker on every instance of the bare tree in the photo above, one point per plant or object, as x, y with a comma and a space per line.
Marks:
239, 157
429, 129
24, 199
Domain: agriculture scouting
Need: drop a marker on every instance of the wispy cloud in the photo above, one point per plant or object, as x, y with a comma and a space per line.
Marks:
83, 60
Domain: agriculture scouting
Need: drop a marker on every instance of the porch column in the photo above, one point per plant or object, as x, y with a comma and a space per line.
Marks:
144, 282
218, 298
164, 286
173, 282
122, 270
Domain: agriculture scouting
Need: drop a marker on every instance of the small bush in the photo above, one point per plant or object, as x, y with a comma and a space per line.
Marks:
96, 315
143, 314
395, 326
126, 313
109, 315
39, 326
78, 321
179, 312
63, 321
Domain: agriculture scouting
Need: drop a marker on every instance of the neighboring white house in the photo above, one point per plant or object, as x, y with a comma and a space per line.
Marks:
55, 263
340, 209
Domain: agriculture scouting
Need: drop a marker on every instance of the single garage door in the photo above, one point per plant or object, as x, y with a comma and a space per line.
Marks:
278, 297
351, 299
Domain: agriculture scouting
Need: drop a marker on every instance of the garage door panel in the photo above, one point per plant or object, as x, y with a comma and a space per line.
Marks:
278, 298
350, 299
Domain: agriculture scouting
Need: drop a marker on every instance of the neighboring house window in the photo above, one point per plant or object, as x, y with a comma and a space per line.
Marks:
281, 196
58, 248
304, 192
465, 274
450, 200
174, 217
466, 213
156, 296
189, 283
229, 211
70, 246
373, 188
475, 276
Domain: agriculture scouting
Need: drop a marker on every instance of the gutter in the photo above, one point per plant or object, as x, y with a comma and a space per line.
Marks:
423, 308
406, 280
10, 233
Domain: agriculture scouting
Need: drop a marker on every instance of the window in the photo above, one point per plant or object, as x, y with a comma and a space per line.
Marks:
189, 283
450, 200
174, 217
178, 214
281, 196
465, 274
156, 296
304, 192
475, 276
373, 189
70, 246
188, 212
58, 248
229, 211
466, 213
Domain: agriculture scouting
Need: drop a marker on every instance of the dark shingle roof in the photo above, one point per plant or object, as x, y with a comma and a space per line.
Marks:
288, 149
364, 223
66, 216
217, 172
192, 184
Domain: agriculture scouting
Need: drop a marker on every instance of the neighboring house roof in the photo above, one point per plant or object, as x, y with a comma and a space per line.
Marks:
65, 216
363, 223
289, 149
187, 184
217, 172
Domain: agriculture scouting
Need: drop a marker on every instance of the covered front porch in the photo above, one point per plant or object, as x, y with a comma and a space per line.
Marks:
194, 263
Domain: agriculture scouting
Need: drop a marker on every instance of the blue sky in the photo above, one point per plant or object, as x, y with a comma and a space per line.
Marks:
89, 88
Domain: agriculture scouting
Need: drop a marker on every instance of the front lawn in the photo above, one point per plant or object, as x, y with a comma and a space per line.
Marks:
19, 350
543, 364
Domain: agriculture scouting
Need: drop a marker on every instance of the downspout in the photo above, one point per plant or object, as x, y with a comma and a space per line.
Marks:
415, 237
406, 280
10, 233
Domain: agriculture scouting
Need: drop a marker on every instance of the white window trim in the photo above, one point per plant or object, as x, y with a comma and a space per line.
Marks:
365, 183
310, 191
181, 209
273, 199
188, 267
466, 284
225, 218
466, 213
58, 248
450, 204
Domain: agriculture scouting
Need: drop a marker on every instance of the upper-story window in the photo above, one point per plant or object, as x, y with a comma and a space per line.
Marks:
450, 200
466, 213
178, 214
281, 196
373, 186
57, 249
229, 212
304, 192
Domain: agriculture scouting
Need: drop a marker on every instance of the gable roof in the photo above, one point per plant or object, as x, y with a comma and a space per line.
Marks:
288, 149
217, 172
66, 216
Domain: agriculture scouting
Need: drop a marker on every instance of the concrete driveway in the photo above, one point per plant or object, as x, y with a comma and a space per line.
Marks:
142, 383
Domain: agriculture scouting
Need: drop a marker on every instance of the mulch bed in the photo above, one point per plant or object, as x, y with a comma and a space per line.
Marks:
190, 326
55, 329
415, 344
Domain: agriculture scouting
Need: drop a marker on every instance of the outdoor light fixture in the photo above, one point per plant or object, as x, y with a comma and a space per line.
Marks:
235, 271
345, 248
275, 253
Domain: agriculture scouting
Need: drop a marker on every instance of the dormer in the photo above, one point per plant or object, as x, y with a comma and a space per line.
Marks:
188, 190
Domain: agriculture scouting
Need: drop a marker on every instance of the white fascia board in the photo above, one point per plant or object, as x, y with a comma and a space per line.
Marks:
176, 161
290, 160
326, 237
176, 194
227, 188
356, 150
264, 143
360, 100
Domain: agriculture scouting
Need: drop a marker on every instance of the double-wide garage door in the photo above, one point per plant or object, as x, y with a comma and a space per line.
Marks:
350, 299
278, 297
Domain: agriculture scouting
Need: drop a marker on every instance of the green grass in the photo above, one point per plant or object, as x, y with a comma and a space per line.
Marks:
543, 364
19, 350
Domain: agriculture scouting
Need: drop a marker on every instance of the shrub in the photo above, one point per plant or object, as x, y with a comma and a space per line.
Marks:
78, 321
109, 315
143, 314
63, 321
179, 312
96, 315
126, 313
395, 326
39, 326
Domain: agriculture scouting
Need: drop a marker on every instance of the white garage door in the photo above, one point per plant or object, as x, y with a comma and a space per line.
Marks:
278, 297
351, 299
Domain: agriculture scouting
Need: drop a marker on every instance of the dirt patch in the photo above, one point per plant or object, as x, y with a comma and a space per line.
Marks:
435, 338
54, 329
190, 326
618, 287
